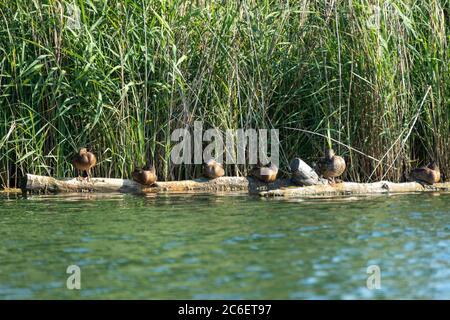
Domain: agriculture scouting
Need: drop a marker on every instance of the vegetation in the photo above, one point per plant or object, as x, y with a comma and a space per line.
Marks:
119, 76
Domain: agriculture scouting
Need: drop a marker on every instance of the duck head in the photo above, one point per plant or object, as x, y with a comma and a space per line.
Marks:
82, 151
273, 166
212, 162
329, 153
433, 166
149, 167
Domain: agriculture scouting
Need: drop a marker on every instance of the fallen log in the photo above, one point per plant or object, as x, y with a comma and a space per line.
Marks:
280, 188
44, 184
353, 188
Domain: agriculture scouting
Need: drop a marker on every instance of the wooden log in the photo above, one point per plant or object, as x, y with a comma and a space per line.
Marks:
44, 184
10, 190
352, 188
279, 188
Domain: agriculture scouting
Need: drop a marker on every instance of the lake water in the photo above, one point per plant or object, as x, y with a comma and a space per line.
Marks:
224, 247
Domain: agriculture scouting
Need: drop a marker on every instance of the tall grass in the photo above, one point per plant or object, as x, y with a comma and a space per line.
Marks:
119, 76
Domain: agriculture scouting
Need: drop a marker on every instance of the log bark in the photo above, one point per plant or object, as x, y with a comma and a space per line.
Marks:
280, 188
44, 184
353, 188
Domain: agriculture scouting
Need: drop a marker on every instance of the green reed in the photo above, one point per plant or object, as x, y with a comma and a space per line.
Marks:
119, 76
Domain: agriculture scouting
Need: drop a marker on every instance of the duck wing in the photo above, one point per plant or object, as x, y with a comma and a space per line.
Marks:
422, 174
92, 160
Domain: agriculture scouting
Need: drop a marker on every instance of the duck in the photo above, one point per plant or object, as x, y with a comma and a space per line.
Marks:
429, 174
145, 175
265, 174
84, 161
213, 169
331, 165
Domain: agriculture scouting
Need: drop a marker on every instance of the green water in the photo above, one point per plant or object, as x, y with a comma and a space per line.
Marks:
224, 247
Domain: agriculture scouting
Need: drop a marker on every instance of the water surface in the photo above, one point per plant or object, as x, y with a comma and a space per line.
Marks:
224, 247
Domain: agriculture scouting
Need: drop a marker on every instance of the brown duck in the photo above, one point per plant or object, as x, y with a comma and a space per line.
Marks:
213, 169
265, 173
145, 175
331, 165
84, 161
427, 174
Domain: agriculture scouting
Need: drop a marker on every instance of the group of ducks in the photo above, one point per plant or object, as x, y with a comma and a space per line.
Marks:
84, 160
329, 167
